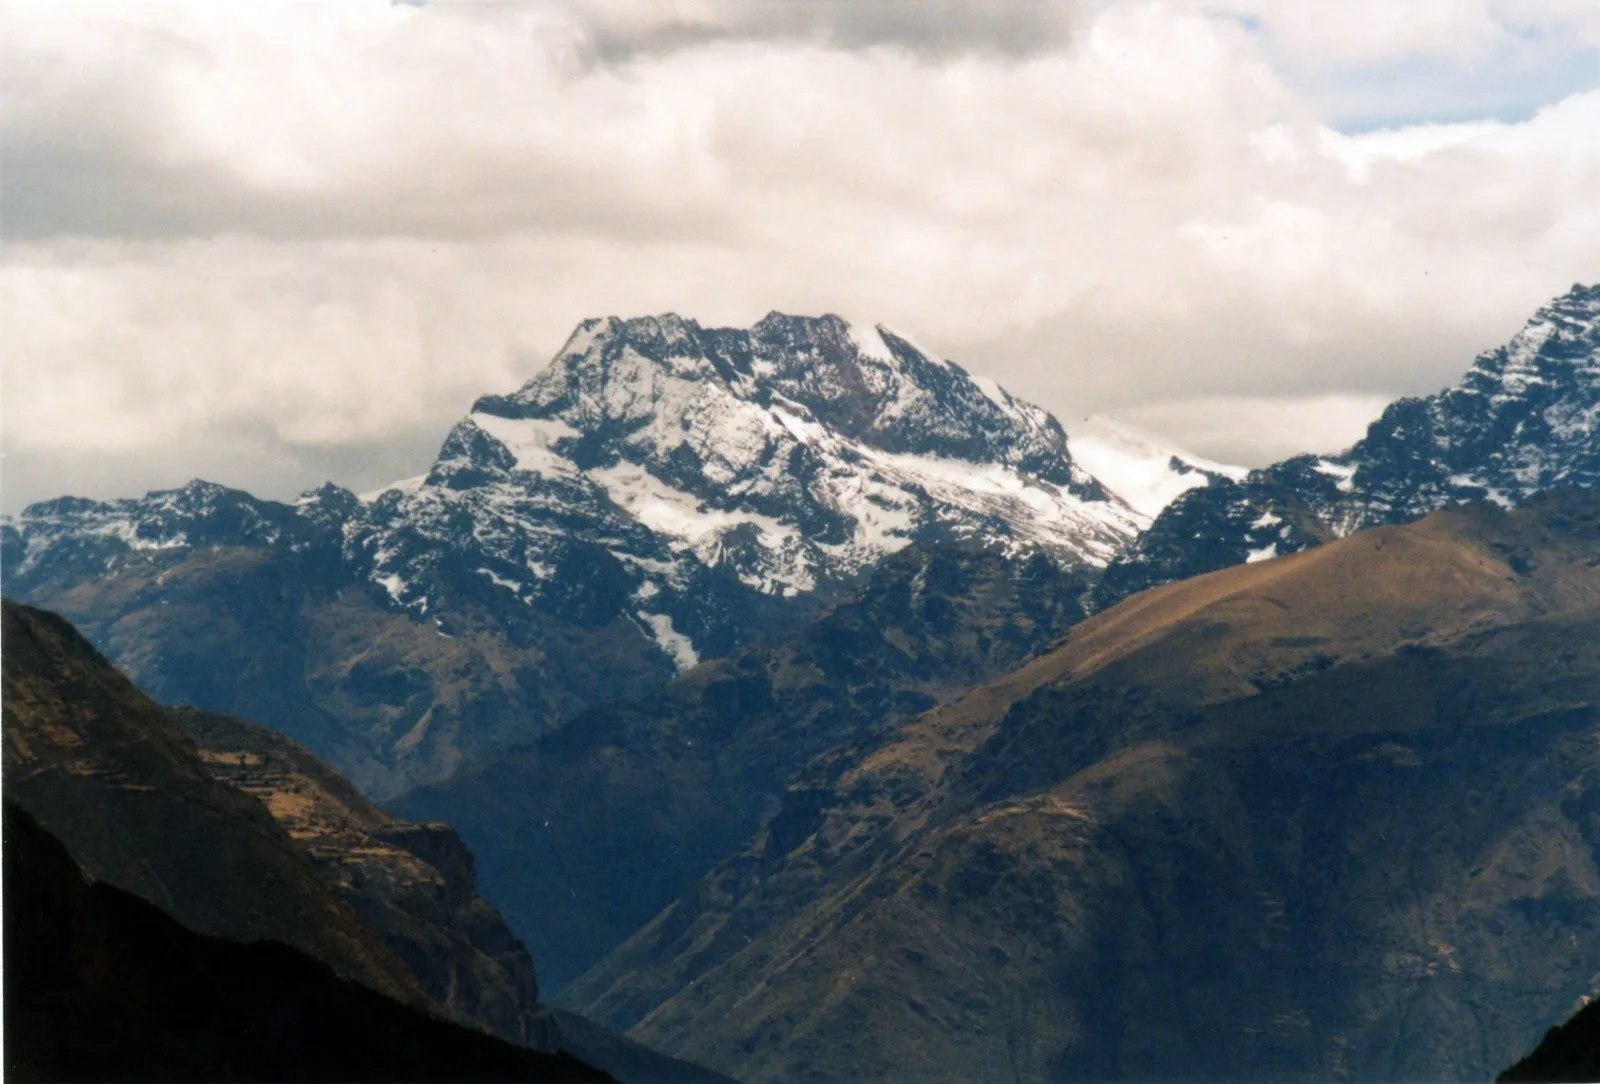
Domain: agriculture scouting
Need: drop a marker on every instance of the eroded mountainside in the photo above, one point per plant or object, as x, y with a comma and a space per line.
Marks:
415, 885
586, 834
1524, 418
1327, 817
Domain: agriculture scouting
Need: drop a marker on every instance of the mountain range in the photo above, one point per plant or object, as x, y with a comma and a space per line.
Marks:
813, 709
663, 492
659, 493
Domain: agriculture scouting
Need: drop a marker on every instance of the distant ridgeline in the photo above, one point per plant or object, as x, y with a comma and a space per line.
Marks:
1525, 417
663, 493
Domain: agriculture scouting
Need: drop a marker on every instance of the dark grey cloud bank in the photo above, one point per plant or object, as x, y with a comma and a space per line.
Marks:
930, 29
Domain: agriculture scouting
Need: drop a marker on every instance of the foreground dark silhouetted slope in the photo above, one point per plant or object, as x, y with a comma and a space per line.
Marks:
1569, 1052
101, 985
109, 772
237, 830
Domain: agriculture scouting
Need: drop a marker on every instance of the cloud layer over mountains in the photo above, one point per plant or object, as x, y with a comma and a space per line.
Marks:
268, 244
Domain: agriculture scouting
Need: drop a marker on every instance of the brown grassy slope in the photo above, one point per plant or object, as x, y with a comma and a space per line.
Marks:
1333, 816
111, 774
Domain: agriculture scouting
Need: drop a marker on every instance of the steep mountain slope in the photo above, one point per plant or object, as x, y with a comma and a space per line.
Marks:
660, 493
109, 772
412, 883
586, 834
1331, 816
415, 886
1525, 417
103, 985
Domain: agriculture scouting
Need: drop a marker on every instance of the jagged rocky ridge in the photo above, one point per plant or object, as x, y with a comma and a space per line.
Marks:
660, 493
1524, 418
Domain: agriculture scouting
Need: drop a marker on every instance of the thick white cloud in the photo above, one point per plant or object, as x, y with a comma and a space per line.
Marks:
260, 242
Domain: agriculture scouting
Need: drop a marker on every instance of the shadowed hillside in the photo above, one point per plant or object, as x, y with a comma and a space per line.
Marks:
586, 834
101, 985
109, 772
1335, 816
1569, 1052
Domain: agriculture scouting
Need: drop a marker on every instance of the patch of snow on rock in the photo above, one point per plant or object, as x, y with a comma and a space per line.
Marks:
1138, 466
676, 645
1265, 553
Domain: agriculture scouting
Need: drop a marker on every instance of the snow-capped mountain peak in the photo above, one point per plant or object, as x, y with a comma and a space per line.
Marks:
698, 484
780, 460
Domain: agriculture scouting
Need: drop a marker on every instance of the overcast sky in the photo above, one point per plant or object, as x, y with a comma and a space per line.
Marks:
269, 244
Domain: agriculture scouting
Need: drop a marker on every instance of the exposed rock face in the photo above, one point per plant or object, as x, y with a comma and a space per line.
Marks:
413, 883
797, 453
586, 834
1524, 418
659, 494
1326, 817
103, 985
